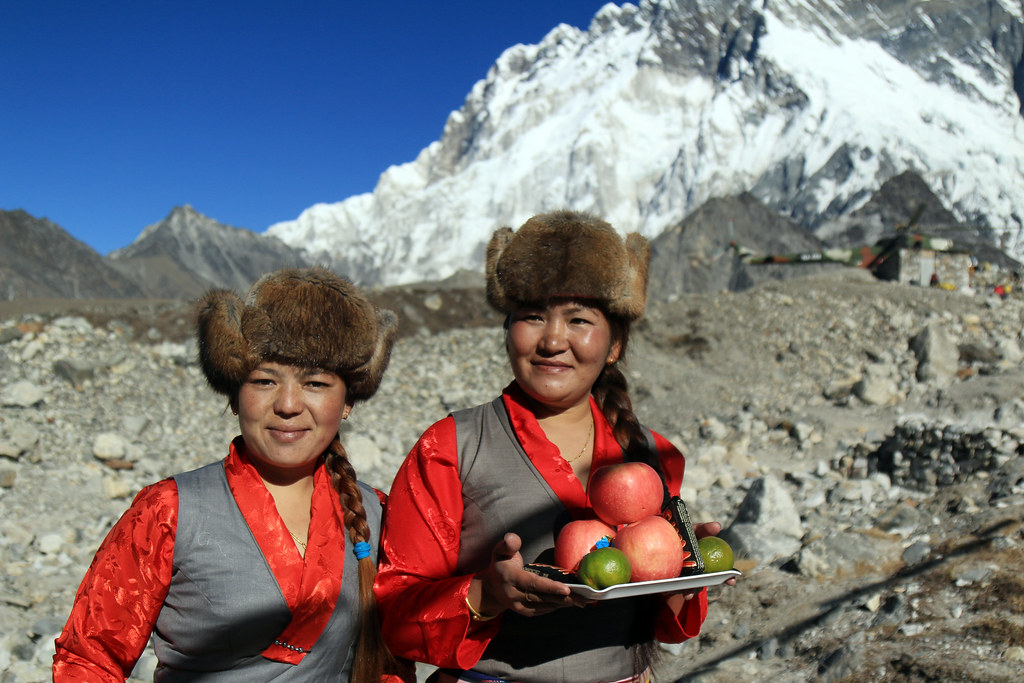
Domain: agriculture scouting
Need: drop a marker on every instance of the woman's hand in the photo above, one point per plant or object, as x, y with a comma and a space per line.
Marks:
677, 600
701, 530
707, 529
505, 585
711, 529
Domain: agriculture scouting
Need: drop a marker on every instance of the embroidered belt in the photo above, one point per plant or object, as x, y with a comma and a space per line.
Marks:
456, 676
470, 676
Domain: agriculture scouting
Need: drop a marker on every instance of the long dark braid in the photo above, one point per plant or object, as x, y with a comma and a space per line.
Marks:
611, 392
372, 657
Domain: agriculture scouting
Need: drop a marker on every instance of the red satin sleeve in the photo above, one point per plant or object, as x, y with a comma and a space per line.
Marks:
672, 627
122, 593
422, 602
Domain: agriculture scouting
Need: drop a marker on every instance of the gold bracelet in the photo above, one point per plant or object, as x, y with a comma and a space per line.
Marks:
476, 616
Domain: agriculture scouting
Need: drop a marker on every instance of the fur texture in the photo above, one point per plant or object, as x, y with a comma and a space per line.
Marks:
308, 317
567, 254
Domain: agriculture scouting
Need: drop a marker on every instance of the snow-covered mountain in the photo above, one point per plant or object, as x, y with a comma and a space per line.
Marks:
809, 105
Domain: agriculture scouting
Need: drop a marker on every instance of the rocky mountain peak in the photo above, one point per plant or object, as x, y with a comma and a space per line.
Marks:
182, 226
188, 252
658, 107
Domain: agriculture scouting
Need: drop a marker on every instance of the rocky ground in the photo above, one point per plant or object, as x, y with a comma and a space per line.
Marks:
861, 441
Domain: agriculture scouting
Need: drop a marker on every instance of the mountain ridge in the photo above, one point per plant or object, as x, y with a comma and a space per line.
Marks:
660, 106
187, 253
179, 258
646, 117
40, 259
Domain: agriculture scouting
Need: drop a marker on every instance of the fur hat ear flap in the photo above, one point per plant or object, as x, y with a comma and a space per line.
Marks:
495, 248
224, 353
366, 379
634, 291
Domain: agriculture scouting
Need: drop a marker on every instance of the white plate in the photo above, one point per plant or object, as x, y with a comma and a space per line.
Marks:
629, 590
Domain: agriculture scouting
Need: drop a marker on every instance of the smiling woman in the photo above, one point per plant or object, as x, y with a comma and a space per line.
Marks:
558, 352
288, 416
275, 544
488, 489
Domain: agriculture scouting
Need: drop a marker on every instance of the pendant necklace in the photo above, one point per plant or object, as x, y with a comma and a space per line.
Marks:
582, 450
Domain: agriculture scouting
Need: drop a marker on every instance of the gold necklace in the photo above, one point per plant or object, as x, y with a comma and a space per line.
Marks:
580, 454
298, 540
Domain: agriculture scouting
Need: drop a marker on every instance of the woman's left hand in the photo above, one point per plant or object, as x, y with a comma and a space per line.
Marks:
505, 585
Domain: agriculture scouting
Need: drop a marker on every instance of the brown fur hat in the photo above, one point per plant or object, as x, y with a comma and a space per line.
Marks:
567, 254
308, 317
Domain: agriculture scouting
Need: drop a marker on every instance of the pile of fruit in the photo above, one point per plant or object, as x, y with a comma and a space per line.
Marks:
631, 540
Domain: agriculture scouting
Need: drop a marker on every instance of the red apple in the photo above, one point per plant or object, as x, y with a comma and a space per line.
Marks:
577, 538
653, 547
626, 492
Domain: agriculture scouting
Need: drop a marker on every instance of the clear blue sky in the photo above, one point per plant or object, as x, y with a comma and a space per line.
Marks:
113, 113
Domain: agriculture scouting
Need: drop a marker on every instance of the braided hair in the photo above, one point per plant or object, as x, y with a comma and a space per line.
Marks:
372, 657
611, 393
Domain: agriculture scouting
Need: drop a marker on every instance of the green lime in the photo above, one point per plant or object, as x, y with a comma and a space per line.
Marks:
716, 553
604, 567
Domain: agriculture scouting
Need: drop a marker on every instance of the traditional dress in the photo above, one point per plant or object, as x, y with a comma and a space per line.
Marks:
453, 499
204, 563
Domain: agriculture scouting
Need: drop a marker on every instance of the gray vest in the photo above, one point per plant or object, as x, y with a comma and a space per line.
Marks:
225, 607
502, 491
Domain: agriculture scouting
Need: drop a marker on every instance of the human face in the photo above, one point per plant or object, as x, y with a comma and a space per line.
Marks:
288, 416
558, 351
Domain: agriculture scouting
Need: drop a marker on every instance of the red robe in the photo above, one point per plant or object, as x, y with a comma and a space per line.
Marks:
421, 599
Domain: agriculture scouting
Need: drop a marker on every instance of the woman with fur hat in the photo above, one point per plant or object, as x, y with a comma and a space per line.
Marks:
259, 567
486, 490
